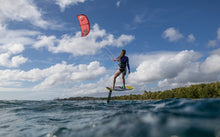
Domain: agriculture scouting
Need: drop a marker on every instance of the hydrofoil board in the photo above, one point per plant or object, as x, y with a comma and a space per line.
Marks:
119, 88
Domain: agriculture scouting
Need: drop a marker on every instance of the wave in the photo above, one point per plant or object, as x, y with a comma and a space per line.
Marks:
162, 118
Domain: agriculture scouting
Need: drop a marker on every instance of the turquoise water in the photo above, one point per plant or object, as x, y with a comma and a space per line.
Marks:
164, 118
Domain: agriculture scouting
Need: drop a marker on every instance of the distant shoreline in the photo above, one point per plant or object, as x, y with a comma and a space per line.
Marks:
211, 90
83, 98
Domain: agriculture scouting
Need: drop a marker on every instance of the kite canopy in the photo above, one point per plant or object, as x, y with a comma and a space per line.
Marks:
84, 24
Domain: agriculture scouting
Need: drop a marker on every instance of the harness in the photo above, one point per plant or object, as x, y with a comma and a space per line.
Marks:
122, 64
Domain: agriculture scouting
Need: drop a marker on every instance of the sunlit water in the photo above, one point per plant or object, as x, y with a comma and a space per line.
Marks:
164, 118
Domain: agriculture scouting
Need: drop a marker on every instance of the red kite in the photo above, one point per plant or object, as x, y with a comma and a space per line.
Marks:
84, 24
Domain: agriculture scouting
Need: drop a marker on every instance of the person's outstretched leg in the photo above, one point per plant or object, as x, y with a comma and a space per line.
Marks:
123, 79
117, 73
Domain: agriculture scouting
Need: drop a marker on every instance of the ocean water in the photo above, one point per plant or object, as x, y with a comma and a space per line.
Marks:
164, 118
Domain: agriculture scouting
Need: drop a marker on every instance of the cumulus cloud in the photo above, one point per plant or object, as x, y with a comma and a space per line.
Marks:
87, 72
12, 48
21, 10
8, 57
45, 41
62, 74
162, 66
78, 45
175, 69
197, 72
65, 3
210, 65
12, 44
172, 34
191, 38
24, 37
54, 76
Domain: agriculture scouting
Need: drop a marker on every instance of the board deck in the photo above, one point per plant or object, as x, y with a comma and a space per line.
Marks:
119, 88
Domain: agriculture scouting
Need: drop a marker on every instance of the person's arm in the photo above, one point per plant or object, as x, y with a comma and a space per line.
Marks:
128, 66
115, 59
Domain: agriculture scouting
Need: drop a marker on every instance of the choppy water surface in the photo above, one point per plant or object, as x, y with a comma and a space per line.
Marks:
164, 118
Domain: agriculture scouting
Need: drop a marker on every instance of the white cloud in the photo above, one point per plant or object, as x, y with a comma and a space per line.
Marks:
12, 48
45, 41
172, 34
62, 74
137, 59
78, 45
24, 37
13, 42
191, 38
196, 73
16, 61
211, 65
122, 40
6, 55
162, 66
118, 3
172, 70
21, 10
87, 72
54, 76
65, 3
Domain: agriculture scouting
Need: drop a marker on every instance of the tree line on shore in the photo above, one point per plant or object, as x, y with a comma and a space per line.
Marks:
211, 90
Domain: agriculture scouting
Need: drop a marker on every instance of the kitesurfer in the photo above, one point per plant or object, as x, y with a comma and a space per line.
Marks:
123, 62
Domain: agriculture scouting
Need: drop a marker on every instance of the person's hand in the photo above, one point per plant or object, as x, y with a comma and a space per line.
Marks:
129, 72
113, 59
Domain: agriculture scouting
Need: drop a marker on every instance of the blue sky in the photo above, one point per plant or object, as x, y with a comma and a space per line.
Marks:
42, 55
